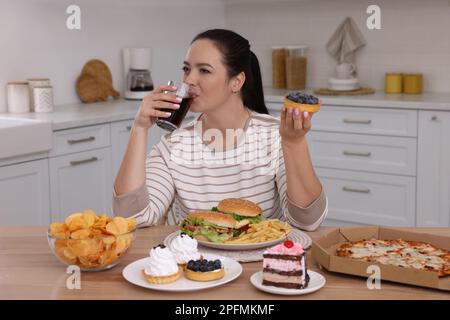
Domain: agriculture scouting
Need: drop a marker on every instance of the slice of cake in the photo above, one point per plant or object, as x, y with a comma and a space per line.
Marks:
284, 266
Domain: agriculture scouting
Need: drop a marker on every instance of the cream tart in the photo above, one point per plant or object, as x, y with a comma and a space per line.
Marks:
162, 267
302, 101
184, 249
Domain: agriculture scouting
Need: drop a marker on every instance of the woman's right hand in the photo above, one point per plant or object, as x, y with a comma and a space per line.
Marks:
150, 107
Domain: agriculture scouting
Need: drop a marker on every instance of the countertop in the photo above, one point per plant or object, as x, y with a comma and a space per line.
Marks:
424, 101
29, 270
81, 114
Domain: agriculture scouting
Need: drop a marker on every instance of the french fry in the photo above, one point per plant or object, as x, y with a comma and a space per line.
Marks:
263, 231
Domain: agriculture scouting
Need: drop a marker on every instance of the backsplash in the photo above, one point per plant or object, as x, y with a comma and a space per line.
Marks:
36, 43
414, 36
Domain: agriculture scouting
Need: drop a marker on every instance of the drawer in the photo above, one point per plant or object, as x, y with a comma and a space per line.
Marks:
396, 155
367, 198
80, 139
390, 122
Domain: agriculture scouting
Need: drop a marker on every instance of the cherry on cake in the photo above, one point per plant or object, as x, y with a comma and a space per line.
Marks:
284, 266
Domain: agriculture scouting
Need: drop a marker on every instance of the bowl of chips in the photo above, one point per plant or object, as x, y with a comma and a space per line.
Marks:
91, 241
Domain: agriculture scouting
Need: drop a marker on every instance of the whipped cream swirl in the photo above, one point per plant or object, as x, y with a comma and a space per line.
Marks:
184, 249
161, 263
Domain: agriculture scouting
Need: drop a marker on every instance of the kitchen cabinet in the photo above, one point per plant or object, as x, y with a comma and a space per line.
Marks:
24, 193
81, 181
433, 170
366, 160
120, 133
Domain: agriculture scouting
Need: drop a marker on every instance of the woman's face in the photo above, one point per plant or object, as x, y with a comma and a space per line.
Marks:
207, 76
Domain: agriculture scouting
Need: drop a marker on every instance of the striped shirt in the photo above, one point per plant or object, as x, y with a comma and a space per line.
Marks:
184, 173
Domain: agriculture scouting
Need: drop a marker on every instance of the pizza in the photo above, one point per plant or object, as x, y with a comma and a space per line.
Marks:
400, 253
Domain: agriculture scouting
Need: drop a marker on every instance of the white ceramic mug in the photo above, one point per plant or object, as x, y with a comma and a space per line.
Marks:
345, 70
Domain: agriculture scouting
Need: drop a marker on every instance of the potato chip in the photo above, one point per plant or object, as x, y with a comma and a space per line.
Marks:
75, 222
81, 234
90, 217
118, 225
59, 230
131, 224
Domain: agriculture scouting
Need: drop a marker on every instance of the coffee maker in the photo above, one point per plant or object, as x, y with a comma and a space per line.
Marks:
138, 80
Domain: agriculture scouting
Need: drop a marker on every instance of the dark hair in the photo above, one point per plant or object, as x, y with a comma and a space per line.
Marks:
238, 57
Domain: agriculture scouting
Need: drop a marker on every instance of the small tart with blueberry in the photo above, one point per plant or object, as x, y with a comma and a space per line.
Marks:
302, 101
204, 270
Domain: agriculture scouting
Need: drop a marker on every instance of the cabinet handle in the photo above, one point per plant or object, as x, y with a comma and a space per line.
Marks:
129, 128
349, 189
78, 162
356, 153
345, 120
434, 118
91, 138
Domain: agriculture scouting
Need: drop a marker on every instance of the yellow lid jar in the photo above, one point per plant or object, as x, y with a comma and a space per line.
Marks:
393, 83
412, 83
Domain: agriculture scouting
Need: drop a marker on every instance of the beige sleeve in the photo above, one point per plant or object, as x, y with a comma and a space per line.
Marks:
130, 203
311, 217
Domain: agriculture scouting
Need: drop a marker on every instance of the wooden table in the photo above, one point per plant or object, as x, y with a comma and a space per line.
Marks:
29, 270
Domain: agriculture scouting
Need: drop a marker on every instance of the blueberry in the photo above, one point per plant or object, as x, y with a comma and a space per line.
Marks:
203, 268
159, 246
210, 268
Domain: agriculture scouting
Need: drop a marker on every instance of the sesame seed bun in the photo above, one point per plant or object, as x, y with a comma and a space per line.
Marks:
217, 218
240, 207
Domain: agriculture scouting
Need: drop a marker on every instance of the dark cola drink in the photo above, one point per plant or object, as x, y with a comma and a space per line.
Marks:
176, 116
174, 121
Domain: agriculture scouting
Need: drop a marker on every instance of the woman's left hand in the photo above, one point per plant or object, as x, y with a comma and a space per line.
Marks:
294, 125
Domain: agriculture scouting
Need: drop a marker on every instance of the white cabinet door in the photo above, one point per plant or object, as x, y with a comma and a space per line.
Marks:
120, 133
369, 198
433, 172
24, 194
81, 181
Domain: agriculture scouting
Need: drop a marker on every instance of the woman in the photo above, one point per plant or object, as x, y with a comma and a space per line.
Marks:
225, 81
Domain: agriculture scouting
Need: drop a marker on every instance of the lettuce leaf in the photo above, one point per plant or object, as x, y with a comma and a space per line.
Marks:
212, 235
251, 219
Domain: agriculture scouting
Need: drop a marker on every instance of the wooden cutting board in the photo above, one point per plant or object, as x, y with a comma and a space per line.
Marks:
356, 92
95, 82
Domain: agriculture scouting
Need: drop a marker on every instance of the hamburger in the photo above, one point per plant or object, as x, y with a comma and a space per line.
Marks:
245, 212
209, 226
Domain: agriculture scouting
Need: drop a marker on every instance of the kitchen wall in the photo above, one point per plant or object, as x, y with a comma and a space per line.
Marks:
36, 43
414, 36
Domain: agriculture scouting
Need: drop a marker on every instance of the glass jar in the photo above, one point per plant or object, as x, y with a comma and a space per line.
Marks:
296, 63
279, 67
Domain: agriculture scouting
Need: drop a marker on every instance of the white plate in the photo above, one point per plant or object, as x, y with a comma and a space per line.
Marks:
233, 246
246, 255
316, 281
133, 273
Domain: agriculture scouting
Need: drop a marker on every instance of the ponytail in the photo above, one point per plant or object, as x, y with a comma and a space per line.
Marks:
252, 91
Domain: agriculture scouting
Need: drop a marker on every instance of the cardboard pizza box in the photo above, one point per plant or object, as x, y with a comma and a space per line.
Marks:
324, 253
